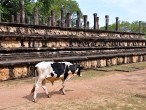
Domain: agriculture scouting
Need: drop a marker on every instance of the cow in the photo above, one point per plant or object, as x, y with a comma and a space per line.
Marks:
53, 71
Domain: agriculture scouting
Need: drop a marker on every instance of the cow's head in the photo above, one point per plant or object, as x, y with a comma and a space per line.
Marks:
79, 67
75, 69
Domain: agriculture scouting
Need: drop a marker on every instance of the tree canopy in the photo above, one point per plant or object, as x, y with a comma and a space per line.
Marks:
10, 7
125, 26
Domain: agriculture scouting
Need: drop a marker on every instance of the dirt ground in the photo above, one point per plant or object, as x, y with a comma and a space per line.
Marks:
96, 90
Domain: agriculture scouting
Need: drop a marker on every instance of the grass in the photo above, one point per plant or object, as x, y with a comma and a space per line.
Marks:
124, 67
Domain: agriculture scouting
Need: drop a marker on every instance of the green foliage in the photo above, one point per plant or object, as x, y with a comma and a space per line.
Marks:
69, 5
12, 7
44, 6
126, 26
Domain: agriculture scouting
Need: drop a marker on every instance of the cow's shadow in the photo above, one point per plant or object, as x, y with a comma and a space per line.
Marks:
43, 95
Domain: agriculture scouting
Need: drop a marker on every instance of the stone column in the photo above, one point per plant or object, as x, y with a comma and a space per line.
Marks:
95, 20
53, 23
78, 20
49, 21
62, 17
44, 21
22, 5
28, 20
36, 16
117, 23
85, 21
88, 23
18, 18
13, 20
106, 22
68, 20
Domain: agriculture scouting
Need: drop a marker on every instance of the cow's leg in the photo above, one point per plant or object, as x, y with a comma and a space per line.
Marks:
44, 87
36, 89
62, 89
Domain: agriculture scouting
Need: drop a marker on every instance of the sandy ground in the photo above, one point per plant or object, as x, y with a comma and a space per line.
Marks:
98, 87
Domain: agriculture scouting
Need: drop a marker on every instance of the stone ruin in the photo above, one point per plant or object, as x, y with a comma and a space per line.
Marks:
22, 45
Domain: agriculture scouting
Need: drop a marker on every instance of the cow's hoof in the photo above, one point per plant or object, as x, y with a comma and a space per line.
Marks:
34, 100
48, 96
62, 91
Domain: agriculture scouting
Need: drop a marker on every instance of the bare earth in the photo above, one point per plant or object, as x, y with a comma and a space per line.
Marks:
99, 90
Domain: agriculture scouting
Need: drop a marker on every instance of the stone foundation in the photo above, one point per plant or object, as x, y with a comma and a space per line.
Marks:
22, 46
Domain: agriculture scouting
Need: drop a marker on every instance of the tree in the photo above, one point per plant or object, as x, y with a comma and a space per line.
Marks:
69, 5
9, 7
126, 26
44, 7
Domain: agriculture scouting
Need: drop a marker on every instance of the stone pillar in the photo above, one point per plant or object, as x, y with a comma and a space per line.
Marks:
36, 16
68, 20
106, 22
78, 20
18, 18
62, 17
28, 20
85, 21
22, 5
44, 21
95, 20
53, 23
49, 21
88, 24
117, 23
13, 19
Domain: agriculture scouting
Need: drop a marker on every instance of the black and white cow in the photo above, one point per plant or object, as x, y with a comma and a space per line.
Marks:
53, 71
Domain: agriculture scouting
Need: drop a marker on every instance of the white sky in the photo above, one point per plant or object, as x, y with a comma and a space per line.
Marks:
126, 10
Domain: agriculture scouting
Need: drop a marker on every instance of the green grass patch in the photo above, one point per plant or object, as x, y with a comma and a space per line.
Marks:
90, 73
125, 67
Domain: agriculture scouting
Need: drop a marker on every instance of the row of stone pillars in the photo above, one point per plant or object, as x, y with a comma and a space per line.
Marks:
65, 20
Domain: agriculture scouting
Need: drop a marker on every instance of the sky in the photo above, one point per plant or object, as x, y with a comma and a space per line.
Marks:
126, 10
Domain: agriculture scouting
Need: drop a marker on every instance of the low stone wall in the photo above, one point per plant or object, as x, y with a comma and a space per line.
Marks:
18, 71
22, 46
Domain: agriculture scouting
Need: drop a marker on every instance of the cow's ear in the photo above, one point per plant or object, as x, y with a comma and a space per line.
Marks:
80, 66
